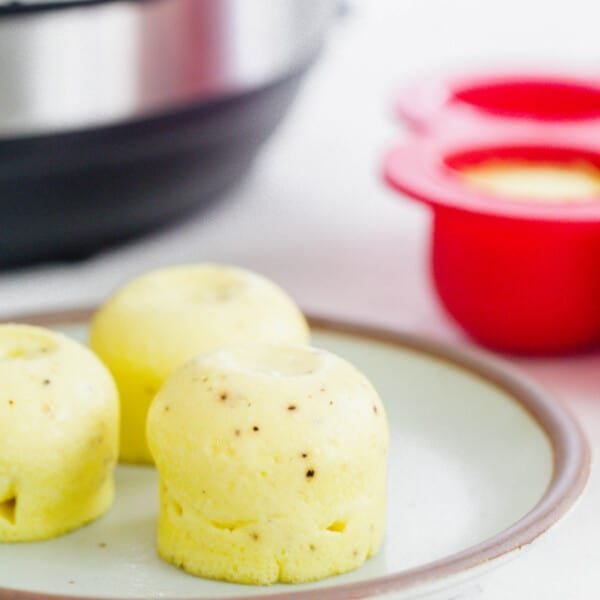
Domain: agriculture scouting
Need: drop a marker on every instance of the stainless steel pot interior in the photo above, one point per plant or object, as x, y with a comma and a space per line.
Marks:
90, 64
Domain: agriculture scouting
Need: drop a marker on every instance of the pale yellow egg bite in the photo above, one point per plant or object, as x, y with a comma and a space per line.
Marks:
158, 321
59, 421
272, 463
535, 181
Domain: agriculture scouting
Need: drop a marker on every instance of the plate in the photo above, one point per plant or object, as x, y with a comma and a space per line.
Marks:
482, 462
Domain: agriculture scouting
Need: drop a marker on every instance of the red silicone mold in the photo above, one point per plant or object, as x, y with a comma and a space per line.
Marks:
519, 276
542, 99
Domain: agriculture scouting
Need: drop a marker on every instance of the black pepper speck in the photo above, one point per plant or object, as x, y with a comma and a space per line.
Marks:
46, 382
256, 428
292, 407
310, 473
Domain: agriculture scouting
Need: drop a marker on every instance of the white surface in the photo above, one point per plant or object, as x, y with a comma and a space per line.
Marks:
453, 436
314, 216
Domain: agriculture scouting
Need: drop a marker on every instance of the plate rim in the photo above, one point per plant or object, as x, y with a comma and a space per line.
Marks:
570, 448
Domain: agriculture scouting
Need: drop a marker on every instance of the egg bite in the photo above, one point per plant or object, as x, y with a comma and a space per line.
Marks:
59, 421
272, 463
156, 322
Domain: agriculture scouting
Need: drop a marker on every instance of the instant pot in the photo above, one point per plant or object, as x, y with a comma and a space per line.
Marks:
119, 115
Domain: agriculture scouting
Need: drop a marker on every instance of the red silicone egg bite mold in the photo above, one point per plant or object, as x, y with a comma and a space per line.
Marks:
519, 276
535, 99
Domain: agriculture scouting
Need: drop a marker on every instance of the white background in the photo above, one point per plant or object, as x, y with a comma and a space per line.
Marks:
314, 216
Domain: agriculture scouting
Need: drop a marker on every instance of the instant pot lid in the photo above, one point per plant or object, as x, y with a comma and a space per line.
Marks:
67, 65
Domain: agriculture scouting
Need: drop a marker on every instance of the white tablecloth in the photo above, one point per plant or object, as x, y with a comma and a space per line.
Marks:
314, 216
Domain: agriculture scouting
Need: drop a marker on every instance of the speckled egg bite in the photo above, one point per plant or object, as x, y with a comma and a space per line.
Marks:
59, 415
158, 321
272, 463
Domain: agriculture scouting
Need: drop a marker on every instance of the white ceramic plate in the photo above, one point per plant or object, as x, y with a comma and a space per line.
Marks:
482, 462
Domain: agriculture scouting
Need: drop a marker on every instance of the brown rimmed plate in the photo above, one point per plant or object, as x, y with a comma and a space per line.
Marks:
482, 463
